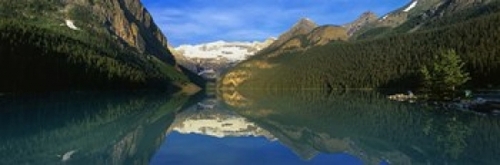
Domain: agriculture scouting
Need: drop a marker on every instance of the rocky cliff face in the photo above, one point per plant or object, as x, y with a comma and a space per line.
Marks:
128, 20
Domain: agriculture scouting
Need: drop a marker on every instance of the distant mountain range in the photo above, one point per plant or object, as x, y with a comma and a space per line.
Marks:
233, 51
211, 59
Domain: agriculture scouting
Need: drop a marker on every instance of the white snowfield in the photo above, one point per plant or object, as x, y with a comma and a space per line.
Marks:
412, 5
234, 51
71, 25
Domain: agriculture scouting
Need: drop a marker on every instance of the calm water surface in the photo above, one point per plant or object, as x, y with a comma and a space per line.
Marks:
240, 128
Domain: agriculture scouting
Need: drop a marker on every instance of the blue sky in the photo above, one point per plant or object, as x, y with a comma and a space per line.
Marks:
200, 21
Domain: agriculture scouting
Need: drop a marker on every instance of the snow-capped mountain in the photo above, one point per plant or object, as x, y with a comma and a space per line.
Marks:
210, 59
234, 51
415, 15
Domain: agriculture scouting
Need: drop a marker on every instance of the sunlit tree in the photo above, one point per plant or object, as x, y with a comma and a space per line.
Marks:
444, 75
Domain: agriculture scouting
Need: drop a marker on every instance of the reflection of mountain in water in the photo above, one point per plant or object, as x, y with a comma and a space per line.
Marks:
211, 118
207, 118
129, 128
372, 128
115, 128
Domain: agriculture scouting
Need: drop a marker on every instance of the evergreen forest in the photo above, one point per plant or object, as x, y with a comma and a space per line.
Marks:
36, 58
391, 61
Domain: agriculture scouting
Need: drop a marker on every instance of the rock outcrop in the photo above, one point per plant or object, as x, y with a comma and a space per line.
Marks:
363, 20
128, 20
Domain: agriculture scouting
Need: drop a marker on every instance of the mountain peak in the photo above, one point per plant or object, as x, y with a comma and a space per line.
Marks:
306, 20
306, 24
368, 14
303, 27
364, 19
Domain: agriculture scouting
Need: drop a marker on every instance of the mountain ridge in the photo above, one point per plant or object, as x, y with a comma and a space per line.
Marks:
418, 15
302, 27
304, 34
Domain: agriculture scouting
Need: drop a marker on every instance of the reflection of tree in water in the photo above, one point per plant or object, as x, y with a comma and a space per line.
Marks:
451, 135
115, 128
371, 127
453, 138
310, 122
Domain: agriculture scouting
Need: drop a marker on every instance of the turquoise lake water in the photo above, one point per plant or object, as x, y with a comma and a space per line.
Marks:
240, 128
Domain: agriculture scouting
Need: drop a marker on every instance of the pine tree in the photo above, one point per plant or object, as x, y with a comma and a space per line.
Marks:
444, 76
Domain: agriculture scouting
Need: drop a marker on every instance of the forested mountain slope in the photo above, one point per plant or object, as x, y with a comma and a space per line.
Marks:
84, 45
391, 61
421, 15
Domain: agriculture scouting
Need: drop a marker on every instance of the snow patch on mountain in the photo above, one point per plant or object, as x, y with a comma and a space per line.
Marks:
234, 51
412, 5
71, 25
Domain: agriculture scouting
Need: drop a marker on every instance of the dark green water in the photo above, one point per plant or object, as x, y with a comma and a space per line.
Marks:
250, 127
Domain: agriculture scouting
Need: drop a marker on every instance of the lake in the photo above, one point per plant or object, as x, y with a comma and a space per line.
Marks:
246, 127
